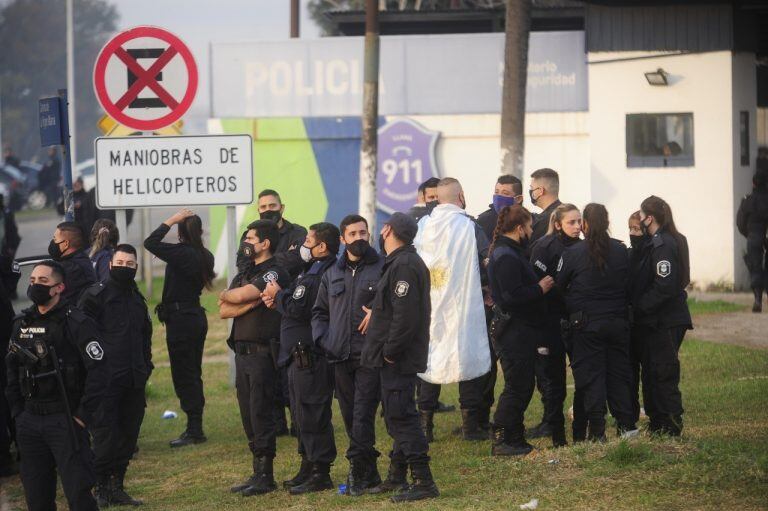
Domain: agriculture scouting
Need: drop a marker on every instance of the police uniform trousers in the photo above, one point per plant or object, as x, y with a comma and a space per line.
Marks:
254, 380
45, 443
602, 371
517, 353
358, 392
311, 395
409, 444
185, 333
656, 364
550, 371
757, 262
6, 426
114, 440
473, 394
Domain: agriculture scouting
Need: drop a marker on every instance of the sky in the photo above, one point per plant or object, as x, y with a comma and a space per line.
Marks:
200, 22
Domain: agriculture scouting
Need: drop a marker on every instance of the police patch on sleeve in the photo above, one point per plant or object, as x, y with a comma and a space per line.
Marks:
298, 292
94, 350
270, 276
540, 265
663, 269
401, 288
560, 264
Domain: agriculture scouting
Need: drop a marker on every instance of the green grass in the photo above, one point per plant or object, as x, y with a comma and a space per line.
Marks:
720, 463
714, 307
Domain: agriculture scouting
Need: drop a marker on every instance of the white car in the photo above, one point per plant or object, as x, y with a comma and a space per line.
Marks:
87, 170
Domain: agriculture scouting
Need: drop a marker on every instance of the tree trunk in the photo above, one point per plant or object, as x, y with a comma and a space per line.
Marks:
518, 26
369, 142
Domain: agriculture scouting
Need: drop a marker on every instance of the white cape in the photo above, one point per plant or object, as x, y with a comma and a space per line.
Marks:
458, 338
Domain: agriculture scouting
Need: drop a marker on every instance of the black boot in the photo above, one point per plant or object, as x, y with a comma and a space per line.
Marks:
103, 490
193, 434
118, 496
319, 480
470, 428
558, 436
596, 431
250, 481
758, 305
363, 476
264, 478
484, 420
305, 469
426, 419
8, 466
423, 486
541, 430
502, 446
396, 478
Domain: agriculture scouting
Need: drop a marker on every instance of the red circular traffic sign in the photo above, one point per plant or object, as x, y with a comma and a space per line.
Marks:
123, 103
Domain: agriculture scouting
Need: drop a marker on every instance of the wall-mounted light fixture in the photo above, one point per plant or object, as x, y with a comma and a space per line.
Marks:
658, 77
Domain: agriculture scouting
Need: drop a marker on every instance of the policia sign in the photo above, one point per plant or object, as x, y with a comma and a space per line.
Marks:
134, 172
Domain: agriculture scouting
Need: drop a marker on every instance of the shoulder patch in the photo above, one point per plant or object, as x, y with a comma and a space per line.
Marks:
94, 350
270, 276
298, 293
15, 268
401, 288
663, 269
538, 264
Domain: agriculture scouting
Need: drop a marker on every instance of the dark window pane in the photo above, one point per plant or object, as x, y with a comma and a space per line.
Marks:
744, 137
660, 140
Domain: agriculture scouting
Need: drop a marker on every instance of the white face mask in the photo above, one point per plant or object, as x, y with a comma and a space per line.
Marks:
305, 253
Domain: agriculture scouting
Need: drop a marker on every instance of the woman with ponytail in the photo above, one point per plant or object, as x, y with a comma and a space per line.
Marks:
564, 231
518, 295
660, 276
104, 238
593, 276
189, 268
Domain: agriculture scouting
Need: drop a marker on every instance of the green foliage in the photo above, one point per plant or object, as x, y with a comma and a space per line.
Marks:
33, 65
713, 307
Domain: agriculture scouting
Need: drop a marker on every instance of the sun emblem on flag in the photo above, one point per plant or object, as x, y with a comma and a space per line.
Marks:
438, 277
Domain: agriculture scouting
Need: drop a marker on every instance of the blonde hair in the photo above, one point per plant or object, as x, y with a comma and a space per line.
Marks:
104, 234
558, 214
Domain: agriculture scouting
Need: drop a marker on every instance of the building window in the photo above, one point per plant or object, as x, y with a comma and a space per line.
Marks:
744, 137
660, 140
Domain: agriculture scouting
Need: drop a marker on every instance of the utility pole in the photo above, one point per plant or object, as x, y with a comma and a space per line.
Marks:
518, 26
71, 81
295, 19
369, 142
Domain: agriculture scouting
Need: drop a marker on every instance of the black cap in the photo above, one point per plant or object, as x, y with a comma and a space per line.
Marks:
404, 227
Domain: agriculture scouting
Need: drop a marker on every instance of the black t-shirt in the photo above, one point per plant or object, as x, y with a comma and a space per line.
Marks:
260, 324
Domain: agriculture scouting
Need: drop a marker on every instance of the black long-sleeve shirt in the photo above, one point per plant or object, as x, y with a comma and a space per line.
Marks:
79, 275
184, 267
514, 285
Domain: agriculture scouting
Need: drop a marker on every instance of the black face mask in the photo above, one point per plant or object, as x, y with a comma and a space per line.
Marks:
431, 205
274, 215
54, 250
530, 193
246, 250
381, 244
39, 294
122, 274
638, 241
358, 247
644, 228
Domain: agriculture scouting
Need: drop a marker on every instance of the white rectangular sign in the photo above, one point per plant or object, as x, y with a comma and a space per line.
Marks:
142, 172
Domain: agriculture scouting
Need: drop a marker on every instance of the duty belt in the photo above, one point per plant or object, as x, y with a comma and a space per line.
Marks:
177, 306
44, 408
251, 348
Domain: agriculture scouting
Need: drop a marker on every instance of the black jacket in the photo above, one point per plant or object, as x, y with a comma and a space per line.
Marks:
399, 327
184, 267
514, 285
418, 211
10, 240
78, 277
658, 282
83, 363
598, 293
121, 314
295, 304
541, 221
292, 237
752, 217
338, 310
545, 257
487, 221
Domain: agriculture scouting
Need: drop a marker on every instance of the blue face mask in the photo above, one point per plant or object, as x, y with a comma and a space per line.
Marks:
502, 201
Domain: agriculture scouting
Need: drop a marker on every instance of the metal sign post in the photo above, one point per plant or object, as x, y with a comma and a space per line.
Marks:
232, 242
54, 130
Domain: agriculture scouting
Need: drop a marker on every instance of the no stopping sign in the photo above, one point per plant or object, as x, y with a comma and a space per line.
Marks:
145, 78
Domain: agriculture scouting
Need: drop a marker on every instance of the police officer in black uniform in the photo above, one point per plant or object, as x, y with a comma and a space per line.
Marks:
508, 191
255, 335
593, 276
189, 268
398, 343
310, 377
519, 313
57, 374
340, 320
68, 248
120, 311
9, 277
752, 221
564, 231
660, 314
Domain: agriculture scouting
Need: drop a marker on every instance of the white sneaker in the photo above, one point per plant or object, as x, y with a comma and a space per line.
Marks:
632, 433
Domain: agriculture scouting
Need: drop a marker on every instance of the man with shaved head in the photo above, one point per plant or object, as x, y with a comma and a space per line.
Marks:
454, 248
